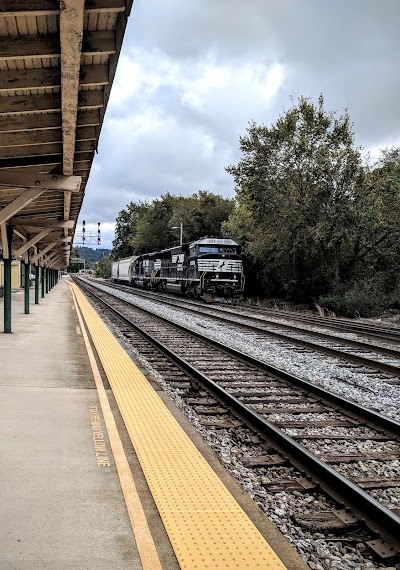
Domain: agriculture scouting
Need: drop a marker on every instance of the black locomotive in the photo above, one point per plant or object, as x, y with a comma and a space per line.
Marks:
208, 268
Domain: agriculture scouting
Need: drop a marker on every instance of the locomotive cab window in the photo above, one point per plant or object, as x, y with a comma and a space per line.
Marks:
208, 249
214, 249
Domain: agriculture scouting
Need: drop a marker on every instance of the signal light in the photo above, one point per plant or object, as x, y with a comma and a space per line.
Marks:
98, 233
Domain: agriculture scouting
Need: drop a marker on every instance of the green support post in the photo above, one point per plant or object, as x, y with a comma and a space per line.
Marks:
7, 295
46, 272
7, 283
42, 273
26, 287
37, 277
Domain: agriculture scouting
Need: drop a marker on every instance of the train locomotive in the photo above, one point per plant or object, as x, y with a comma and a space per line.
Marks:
208, 268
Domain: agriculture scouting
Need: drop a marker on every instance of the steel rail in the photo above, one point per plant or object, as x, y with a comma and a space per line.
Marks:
377, 517
337, 353
306, 319
384, 332
338, 323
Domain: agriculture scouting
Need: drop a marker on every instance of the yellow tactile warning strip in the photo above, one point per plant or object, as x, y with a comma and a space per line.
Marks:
144, 540
206, 526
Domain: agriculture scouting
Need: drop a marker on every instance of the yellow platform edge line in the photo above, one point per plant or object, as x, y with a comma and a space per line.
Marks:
141, 531
206, 526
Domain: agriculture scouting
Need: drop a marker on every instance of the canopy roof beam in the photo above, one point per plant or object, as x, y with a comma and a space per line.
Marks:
55, 261
47, 103
35, 239
52, 7
40, 181
48, 45
4, 240
21, 123
49, 77
19, 203
71, 34
40, 254
43, 137
35, 223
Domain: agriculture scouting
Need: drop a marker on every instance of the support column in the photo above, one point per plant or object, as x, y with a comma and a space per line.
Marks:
26, 287
43, 285
37, 277
7, 282
47, 279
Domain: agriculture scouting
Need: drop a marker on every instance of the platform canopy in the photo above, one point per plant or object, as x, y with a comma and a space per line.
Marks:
57, 63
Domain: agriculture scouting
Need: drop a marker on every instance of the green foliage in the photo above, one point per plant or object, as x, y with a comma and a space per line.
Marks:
103, 267
91, 255
126, 225
364, 298
153, 229
296, 190
376, 245
147, 226
202, 214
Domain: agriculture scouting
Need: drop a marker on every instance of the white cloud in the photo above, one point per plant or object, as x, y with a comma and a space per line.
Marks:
374, 151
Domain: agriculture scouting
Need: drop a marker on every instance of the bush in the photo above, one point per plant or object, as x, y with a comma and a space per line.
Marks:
366, 298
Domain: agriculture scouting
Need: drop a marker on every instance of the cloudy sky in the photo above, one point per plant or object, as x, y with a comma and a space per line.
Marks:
193, 73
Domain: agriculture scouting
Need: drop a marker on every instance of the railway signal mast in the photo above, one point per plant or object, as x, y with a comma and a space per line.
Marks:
88, 238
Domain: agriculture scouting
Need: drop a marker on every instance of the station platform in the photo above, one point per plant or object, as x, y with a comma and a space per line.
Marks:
99, 469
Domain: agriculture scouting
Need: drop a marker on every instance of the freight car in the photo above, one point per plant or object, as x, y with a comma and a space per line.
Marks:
208, 268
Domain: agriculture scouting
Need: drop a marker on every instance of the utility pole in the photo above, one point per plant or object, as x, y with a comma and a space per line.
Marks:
181, 228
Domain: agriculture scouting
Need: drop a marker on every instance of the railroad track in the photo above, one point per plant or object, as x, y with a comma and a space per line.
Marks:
378, 332
293, 418
367, 357
384, 332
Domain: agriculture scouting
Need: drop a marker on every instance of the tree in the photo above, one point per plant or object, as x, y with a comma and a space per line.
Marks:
201, 214
103, 267
296, 193
377, 244
154, 228
125, 227
147, 226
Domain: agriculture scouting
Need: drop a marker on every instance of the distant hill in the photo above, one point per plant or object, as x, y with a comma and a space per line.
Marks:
92, 255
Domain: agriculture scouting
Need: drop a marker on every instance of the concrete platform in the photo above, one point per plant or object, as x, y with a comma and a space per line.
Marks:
58, 507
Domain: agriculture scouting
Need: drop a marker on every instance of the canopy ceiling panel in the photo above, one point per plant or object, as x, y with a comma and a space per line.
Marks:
57, 65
